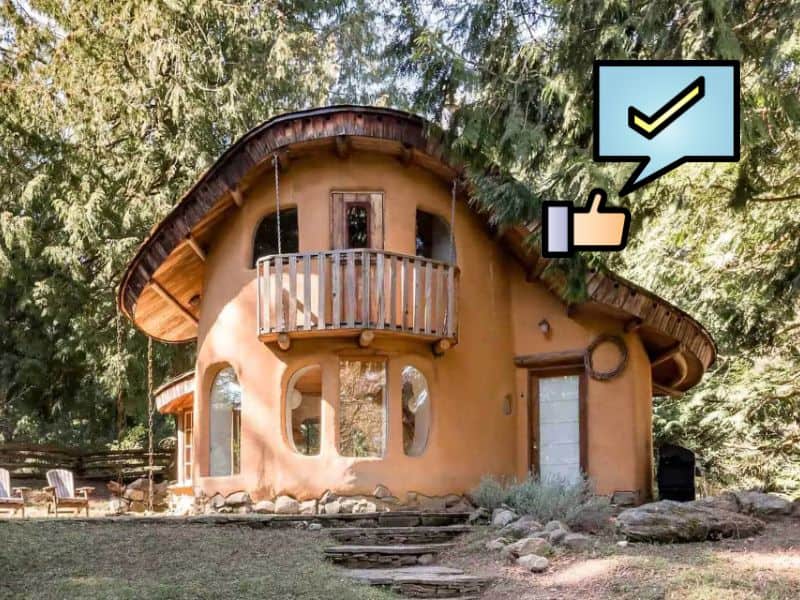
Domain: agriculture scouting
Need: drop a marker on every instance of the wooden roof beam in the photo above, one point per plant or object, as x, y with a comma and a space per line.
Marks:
633, 325
406, 155
238, 197
159, 289
342, 146
676, 348
201, 254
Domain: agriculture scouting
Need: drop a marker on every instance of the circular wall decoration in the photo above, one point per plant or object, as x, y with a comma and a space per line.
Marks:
617, 342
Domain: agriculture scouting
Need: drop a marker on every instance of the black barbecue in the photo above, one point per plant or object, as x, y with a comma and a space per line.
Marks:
676, 468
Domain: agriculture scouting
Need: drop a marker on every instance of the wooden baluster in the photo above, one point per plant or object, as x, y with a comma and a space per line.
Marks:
405, 291
350, 286
306, 292
393, 292
417, 323
366, 259
438, 321
380, 309
336, 285
292, 324
322, 283
451, 301
428, 299
279, 293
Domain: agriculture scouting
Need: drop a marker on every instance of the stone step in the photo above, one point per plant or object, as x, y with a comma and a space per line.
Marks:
397, 555
424, 582
379, 536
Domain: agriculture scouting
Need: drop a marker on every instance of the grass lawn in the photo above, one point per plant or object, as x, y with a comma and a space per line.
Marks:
140, 560
764, 567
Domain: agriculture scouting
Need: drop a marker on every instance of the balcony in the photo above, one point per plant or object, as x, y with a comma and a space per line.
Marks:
360, 293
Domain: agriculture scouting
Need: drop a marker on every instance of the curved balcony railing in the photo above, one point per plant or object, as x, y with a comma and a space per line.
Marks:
350, 291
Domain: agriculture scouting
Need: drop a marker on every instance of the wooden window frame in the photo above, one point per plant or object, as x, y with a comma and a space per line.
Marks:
186, 443
340, 200
368, 209
534, 375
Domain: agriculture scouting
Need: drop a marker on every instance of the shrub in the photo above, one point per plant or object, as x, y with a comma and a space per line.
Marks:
548, 499
490, 493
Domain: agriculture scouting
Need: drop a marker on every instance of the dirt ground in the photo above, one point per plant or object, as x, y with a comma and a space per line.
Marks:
767, 566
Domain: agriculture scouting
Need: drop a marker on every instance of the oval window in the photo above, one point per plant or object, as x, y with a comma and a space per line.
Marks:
225, 424
416, 411
303, 406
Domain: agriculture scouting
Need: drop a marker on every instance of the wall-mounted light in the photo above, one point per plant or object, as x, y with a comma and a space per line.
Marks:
544, 327
194, 302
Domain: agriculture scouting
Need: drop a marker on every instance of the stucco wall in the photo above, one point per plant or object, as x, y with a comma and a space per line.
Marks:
470, 433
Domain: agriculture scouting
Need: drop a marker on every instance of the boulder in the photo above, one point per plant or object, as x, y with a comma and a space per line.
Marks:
217, 501
522, 527
347, 505
534, 563
309, 507
452, 499
763, 505
237, 499
425, 559
264, 507
431, 503
556, 536
796, 508
576, 541
381, 491
139, 484
315, 526
502, 517
725, 501
327, 496
117, 506
525, 546
479, 515
286, 505
496, 544
135, 495
332, 508
137, 507
365, 506
462, 506
553, 525
670, 521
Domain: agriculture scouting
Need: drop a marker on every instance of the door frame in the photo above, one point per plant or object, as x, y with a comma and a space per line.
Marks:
534, 375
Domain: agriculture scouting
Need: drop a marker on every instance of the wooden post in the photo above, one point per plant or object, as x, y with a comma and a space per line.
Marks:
171, 300
441, 347
284, 341
365, 338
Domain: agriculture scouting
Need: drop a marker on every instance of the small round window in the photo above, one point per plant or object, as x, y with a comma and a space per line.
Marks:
416, 411
303, 405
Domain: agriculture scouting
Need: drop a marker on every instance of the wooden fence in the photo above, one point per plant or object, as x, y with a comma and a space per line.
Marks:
33, 461
357, 289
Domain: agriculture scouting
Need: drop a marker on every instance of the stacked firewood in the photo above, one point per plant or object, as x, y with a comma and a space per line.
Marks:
133, 497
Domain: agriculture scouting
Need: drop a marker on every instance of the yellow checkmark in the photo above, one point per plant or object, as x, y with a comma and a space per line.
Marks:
650, 126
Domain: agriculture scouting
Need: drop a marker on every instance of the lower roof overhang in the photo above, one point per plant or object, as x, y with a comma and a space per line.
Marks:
175, 395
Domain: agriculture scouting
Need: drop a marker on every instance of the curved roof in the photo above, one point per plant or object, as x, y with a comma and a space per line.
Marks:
175, 244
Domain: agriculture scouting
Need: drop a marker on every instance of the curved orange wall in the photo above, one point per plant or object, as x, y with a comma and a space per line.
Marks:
470, 433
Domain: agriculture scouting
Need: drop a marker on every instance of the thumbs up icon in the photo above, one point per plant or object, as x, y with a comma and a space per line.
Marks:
566, 228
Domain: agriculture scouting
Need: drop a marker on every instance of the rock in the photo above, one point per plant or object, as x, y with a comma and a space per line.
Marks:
534, 563
462, 506
502, 517
264, 507
669, 521
140, 484
137, 507
553, 525
327, 496
381, 491
286, 505
347, 505
117, 506
796, 508
136, 495
525, 526
452, 499
365, 506
625, 498
309, 507
332, 508
425, 559
479, 515
622, 543
496, 544
725, 501
315, 527
431, 503
525, 546
556, 536
237, 499
763, 505
576, 541
217, 501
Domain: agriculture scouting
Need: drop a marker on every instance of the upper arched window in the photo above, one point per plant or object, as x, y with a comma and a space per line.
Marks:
303, 406
416, 411
225, 427
433, 237
266, 239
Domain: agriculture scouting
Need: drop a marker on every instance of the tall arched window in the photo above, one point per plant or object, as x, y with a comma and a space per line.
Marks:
416, 411
225, 428
266, 240
303, 405
433, 237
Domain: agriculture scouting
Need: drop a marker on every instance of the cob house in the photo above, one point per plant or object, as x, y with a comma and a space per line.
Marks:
359, 324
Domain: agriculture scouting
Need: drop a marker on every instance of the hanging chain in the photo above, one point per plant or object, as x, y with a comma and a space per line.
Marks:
277, 201
120, 416
150, 407
453, 224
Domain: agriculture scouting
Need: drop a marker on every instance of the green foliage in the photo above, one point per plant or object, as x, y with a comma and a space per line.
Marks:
489, 493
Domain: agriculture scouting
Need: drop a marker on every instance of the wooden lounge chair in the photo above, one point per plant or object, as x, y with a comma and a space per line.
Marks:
62, 492
11, 498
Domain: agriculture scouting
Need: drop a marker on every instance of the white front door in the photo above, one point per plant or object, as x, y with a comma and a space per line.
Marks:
559, 440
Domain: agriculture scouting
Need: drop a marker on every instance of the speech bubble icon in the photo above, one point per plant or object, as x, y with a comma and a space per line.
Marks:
662, 114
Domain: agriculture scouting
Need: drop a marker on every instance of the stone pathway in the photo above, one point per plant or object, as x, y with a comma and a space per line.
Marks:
399, 552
